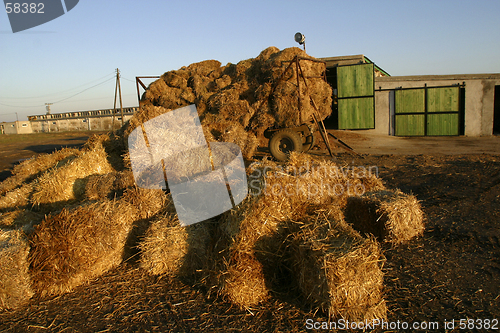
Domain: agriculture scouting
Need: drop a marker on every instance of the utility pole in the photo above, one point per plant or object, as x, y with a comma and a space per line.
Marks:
118, 90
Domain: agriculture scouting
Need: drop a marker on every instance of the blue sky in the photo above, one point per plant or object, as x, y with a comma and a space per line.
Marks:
78, 52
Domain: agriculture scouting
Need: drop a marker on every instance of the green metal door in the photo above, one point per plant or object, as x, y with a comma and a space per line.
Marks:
443, 111
355, 93
430, 111
410, 112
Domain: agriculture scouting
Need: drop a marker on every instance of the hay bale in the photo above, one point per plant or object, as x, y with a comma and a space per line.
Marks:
32, 168
108, 185
99, 186
20, 219
242, 280
324, 181
19, 197
390, 215
78, 245
171, 249
15, 284
337, 270
60, 185
146, 202
245, 284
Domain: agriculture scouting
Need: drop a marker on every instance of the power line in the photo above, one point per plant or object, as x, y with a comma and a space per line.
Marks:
127, 79
112, 78
33, 106
62, 92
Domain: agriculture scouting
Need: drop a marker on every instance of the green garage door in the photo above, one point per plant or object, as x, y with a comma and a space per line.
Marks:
427, 111
355, 93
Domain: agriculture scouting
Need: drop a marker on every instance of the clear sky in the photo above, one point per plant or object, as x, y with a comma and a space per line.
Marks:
71, 61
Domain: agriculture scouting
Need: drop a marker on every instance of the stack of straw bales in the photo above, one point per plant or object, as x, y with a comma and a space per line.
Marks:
15, 283
390, 215
234, 102
278, 194
52, 181
64, 183
34, 167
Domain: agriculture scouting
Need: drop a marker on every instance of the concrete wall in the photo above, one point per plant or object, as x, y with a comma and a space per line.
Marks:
99, 123
17, 127
479, 98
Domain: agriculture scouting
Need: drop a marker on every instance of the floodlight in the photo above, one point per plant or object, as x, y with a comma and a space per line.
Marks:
300, 38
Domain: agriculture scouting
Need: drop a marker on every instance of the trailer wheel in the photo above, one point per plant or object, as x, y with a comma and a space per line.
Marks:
284, 142
309, 140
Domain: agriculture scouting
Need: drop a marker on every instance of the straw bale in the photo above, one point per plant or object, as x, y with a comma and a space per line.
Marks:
188, 96
267, 53
147, 202
15, 283
76, 246
247, 228
61, 185
99, 186
160, 94
22, 219
323, 180
225, 96
239, 112
173, 79
19, 197
222, 82
201, 86
233, 132
390, 215
108, 185
124, 179
114, 146
32, 168
171, 249
337, 270
245, 284
204, 68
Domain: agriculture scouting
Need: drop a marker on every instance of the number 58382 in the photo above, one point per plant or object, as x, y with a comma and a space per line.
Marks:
24, 8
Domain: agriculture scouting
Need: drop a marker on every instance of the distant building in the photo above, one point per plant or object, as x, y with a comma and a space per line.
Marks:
16, 127
94, 120
366, 97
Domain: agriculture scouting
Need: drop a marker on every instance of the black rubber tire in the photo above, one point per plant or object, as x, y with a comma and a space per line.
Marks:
283, 142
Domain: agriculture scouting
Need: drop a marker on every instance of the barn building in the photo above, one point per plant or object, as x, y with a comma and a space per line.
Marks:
367, 97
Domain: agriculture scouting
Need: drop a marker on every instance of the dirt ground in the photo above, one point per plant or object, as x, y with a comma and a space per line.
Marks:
451, 273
